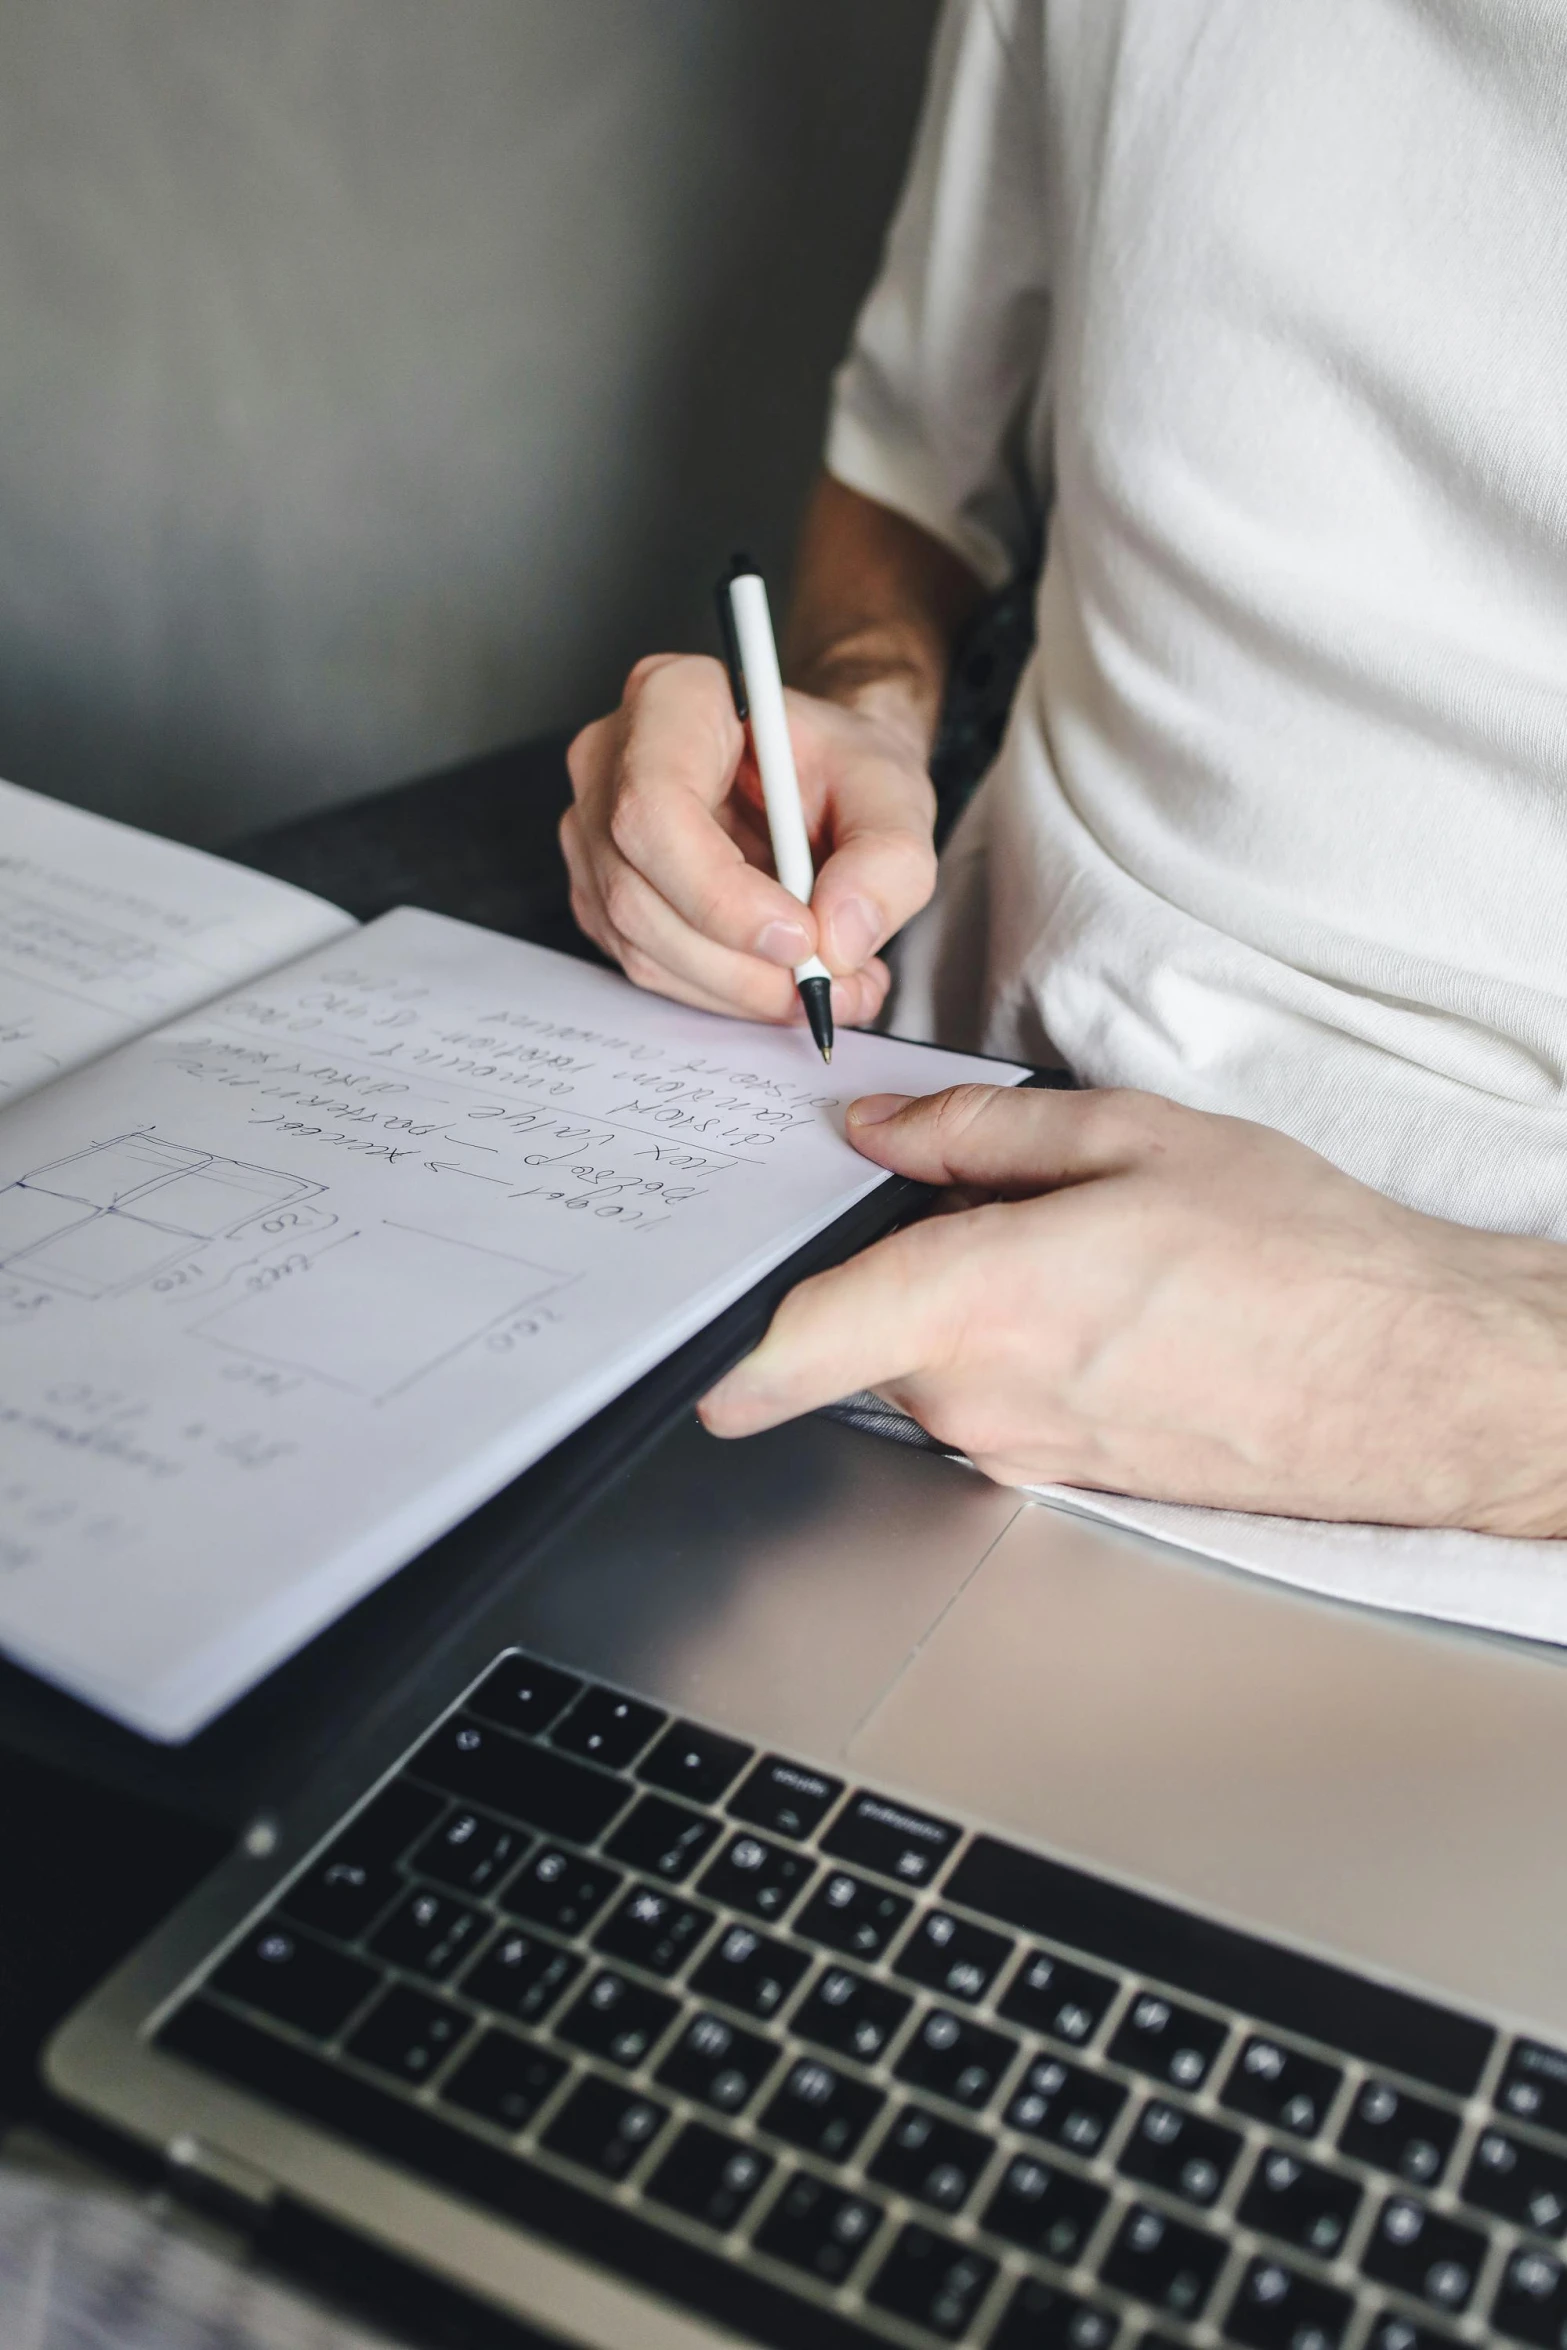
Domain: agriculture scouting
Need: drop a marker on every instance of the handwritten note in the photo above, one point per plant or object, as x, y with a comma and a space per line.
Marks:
291, 1285
105, 931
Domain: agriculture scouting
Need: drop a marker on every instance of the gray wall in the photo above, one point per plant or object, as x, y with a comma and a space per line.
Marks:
379, 377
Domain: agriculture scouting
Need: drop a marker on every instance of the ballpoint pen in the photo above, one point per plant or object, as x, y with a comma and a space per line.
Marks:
752, 657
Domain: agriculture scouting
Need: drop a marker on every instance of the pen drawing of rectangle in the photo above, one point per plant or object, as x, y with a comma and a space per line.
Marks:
121, 1211
380, 1308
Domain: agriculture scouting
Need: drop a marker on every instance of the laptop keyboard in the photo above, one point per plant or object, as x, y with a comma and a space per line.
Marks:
833, 2072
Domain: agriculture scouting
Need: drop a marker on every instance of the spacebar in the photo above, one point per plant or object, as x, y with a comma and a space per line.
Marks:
414, 2139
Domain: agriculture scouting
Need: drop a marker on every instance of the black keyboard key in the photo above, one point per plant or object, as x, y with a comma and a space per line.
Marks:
344, 1893
520, 1976
750, 1971
932, 2282
694, 1762
1044, 2317
1066, 2106
1172, 2043
718, 2063
1531, 2302
891, 1839
429, 1932
606, 1728
740, 2298
933, 2160
785, 1797
470, 1851
1534, 2086
353, 1882
1044, 2209
1396, 2132
294, 1977
653, 1929
1276, 2308
1056, 1996
1181, 2152
1280, 2086
558, 1890
1163, 2262
523, 1694
850, 1915
1300, 2202
409, 2036
664, 1839
821, 2110
619, 2019
1519, 2182
709, 2177
818, 2228
957, 2059
392, 1821
1215, 1963
1390, 2331
1425, 2255
526, 1782
851, 2014
754, 1875
505, 2081
606, 2128
947, 1955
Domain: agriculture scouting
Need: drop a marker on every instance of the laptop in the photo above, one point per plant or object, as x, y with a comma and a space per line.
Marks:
830, 1902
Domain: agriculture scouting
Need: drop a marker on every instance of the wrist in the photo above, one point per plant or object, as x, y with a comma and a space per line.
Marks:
1511, 1383
884, 674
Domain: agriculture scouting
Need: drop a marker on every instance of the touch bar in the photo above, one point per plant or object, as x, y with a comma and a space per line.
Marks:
1278, 1986
439, 2155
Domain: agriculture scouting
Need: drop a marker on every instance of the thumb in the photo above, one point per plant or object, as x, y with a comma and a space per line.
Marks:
999, 1139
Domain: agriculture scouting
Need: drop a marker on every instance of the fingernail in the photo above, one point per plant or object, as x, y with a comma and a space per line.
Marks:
855, 930
784, 942
876, 1108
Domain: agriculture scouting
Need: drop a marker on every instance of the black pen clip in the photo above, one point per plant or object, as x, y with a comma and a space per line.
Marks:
739, 568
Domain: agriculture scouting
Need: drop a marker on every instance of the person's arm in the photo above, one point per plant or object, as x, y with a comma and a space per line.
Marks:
877, 606
665, 843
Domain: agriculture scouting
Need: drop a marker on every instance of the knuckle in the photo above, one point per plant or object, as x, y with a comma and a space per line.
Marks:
634, 819
623, 894
957, 1110
582, 755
649, 666
641, 969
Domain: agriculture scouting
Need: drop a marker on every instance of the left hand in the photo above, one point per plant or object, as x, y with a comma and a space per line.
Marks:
1152, 1300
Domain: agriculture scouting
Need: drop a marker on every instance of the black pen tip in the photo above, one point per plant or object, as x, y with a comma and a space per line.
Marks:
816, 996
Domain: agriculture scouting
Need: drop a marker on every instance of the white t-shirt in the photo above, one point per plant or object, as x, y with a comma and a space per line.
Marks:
1268, 306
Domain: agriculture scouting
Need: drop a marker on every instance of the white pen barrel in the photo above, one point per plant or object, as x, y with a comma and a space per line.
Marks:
770, 733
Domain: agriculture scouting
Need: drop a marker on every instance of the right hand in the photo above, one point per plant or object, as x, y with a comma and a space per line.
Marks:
667, 848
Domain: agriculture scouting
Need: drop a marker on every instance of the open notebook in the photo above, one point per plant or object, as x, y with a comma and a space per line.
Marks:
312, 1237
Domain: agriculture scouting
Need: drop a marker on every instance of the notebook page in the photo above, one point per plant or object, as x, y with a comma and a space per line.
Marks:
289, 1287
106, 931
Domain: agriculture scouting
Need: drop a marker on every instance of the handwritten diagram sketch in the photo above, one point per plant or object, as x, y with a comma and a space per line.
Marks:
125, 1210
381, 1307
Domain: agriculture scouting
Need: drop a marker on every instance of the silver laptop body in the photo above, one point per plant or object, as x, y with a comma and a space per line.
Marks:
1376, 1793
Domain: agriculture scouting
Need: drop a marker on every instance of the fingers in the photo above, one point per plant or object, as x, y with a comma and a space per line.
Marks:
878, 811
1007, 1141
649, 783
657, 846
663, 955
882, 1317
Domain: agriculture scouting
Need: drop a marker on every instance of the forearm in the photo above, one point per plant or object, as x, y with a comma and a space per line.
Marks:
877, 606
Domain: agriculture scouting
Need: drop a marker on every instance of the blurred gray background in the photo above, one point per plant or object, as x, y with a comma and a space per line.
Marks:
379, 377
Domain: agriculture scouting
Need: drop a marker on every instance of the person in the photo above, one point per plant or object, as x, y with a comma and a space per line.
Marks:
1260, 313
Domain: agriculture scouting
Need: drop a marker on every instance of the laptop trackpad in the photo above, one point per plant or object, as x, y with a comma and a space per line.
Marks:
776, 1587
1370, 1786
